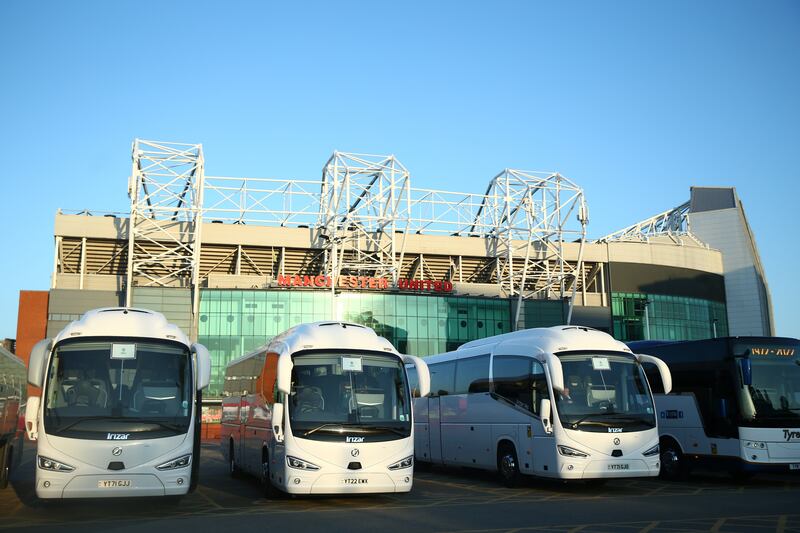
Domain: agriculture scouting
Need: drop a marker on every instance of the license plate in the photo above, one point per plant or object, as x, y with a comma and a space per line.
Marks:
355, 481
619, 466
794, 466
113, 483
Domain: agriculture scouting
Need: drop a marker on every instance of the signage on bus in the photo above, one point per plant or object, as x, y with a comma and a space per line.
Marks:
789, 434
363, 282
783, 352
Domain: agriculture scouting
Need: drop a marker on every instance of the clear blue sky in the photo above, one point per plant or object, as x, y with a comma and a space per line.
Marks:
635, 101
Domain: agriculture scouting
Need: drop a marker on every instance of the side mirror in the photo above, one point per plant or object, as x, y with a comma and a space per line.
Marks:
746, 368
277, 421
32, 417
203, 365
285, 366
722, 408
38, 361
663, 370
556, 371
423, 374
546, 411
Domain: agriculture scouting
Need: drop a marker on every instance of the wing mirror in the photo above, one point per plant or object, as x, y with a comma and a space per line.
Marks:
277, 421
423, 374
38, 362
203, 366
746, 368
32, 417
545, 411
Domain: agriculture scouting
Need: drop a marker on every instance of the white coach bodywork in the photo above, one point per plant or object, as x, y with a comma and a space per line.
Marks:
81, 467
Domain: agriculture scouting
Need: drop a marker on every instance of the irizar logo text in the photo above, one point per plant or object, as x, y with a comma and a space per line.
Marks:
118, 436
788, 434
354, 439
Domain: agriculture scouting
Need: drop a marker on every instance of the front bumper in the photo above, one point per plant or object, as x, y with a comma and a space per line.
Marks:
360, 482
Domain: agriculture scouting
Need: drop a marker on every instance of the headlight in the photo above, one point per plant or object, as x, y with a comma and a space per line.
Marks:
756, 445
45, 463
294, 462
649, 452
571, 452
178, 462
408, 462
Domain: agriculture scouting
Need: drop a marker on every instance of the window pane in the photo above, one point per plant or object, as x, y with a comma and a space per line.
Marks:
472, 375
512, 380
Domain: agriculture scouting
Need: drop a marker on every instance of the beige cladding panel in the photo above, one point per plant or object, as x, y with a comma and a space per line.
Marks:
666, 254
692, 257
257, 235
98, 227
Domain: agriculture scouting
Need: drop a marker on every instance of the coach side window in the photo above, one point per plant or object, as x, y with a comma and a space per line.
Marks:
472, 375
443, 378
513, 380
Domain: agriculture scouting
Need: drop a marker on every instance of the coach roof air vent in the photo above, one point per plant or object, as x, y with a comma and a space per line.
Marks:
343, 324
125, 310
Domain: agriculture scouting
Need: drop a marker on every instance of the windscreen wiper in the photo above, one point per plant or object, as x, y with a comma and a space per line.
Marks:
80, 421
324, 426
584, 418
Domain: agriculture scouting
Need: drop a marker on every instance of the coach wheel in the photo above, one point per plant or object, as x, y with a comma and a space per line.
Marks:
673, 465
508, 466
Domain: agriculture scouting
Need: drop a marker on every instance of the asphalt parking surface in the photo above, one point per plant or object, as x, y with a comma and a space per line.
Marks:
455, 500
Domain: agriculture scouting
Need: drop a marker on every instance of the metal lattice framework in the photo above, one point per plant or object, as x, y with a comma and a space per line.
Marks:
527, 217
361, 213
166, 192
673, 224
364, 202
262, 201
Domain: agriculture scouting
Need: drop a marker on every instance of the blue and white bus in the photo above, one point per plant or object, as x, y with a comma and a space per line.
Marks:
735, 404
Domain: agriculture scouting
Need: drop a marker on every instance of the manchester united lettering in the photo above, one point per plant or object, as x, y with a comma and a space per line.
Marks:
363, 282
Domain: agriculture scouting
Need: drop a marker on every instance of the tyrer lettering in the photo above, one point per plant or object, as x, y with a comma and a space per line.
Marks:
788, 434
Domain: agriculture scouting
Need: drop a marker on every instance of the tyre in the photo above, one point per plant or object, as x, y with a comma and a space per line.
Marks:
673, 463
508, 465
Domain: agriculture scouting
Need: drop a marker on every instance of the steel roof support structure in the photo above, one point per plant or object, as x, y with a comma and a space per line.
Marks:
363, 215
527, 217
164, 237
673, 223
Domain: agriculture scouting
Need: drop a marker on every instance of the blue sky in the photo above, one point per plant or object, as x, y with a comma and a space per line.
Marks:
635, 101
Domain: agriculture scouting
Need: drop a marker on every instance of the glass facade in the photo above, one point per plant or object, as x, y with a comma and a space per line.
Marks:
639, 316
234, 322
544, 313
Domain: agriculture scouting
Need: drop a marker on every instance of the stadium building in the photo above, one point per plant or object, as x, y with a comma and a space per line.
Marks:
234, 261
